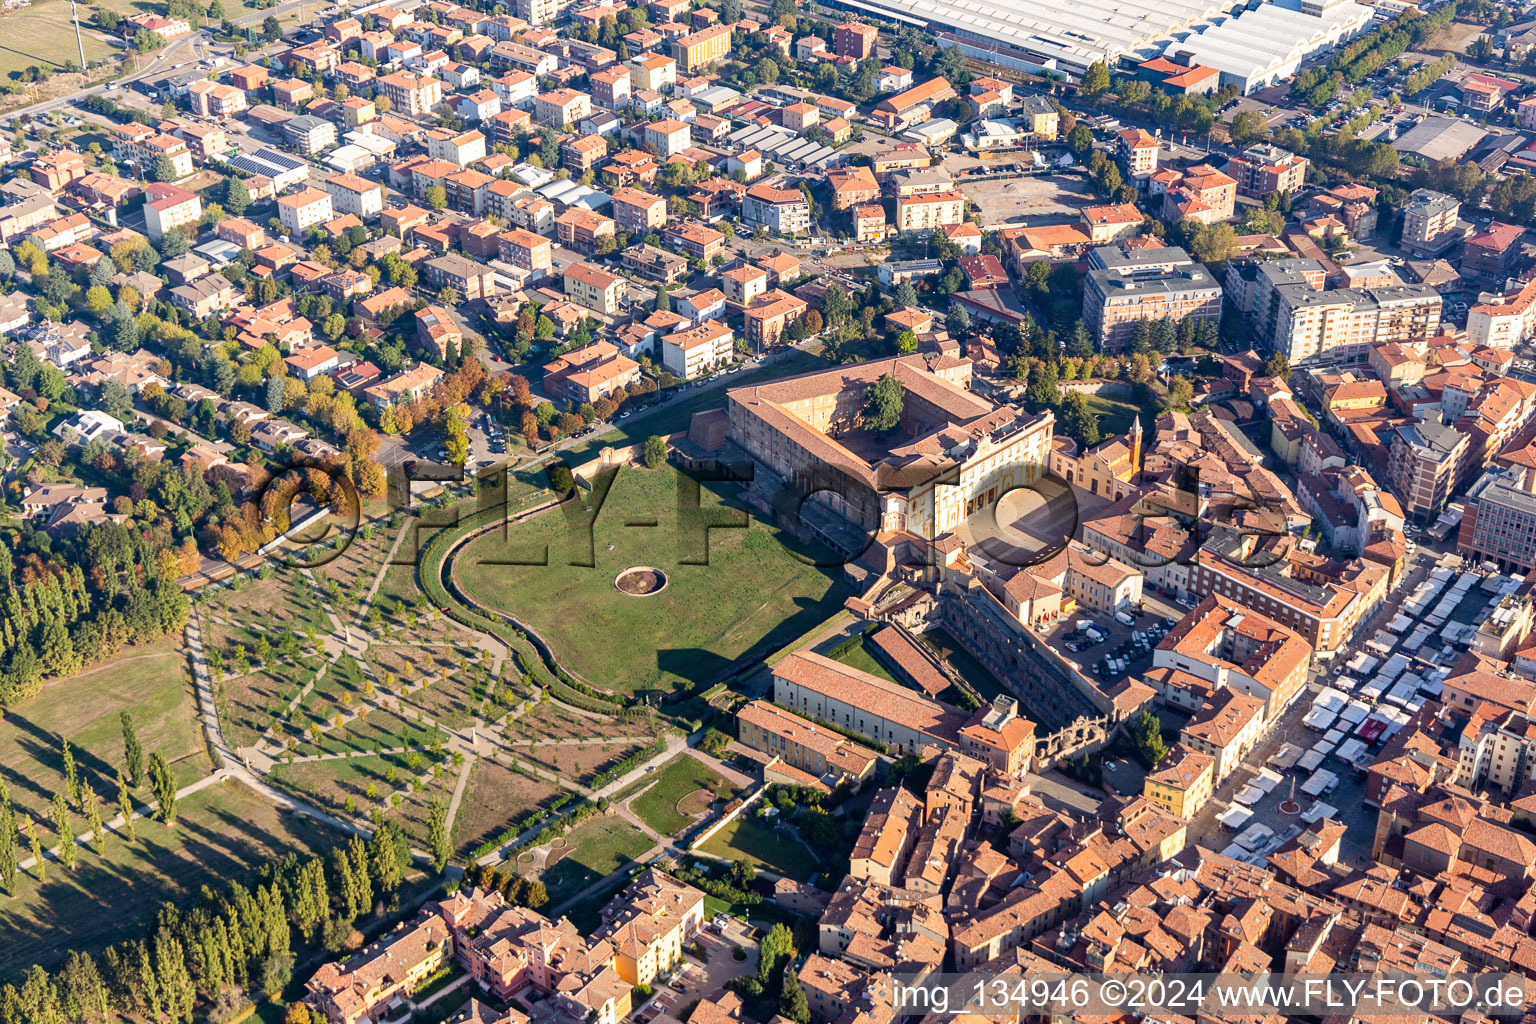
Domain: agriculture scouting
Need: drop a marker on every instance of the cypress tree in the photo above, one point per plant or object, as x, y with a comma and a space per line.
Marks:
125, 805
71, 774
163, 784
7, 840
177, 991
39, 867
65, 831
133, 754
93, 822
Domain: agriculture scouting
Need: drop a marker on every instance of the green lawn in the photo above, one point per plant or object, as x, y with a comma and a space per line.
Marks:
671, 783
594, 849
43, 35
730, 590
151, 683
223, 832
974, 671
1114, 415
767, 848
859, 657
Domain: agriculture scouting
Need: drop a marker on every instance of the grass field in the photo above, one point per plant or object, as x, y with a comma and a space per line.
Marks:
690, 632
767, 848
678, 779
149, 682
496, 797
596, 848
859, 657
44, 35
223, 832
1114, 415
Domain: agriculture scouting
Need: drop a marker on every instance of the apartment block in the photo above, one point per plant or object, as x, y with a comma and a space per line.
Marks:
304, 209
1423, 461
929, 211
595, 288
356, 195
1431, 222
1264, 170
783, 211
167, 207
701, 48
696, 350
639, 212
1125, 287
409, 94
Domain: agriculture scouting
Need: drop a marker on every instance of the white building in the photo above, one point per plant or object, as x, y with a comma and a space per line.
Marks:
1257, 47
692, 352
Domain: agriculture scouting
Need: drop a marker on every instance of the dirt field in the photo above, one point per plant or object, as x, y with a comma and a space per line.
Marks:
1011, 200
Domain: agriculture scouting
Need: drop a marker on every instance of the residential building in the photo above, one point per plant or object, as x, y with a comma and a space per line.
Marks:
1264, 169
595, 288
409, 94
408, 385
560, 107
304, 209
1137, 151
462, 148
1125, 287
702, 48
852, 39
768, 317
780, 210
356, 195
167, 207
470, 279
587, 374
1423, 464
827, 756
929, 211
527, 251
696, 350
583, 230
639, 212
669, 137
1431, 222
1182, 782
653, 71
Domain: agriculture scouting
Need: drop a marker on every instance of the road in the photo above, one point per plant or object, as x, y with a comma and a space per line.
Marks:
178, 52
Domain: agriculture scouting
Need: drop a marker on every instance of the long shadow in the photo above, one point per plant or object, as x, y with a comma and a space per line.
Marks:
31, 56
100, 902
84, 759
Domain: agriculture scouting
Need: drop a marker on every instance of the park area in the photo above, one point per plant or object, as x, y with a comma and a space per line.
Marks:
223, 832
588, 853
678, 794
765, 845
691, 632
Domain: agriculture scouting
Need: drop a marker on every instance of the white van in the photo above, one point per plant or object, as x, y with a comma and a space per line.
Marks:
1125, 617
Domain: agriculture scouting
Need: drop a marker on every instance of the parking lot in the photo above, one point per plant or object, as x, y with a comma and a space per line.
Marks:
1157, 616
693, 981
1010, 200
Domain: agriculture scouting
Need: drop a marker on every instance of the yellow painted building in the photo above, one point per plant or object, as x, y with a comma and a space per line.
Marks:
1182, 782
703, 47
660, 915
